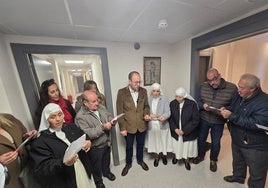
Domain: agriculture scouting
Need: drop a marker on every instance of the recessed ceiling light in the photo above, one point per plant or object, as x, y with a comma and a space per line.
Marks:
77, 74
43, 62
73, 62
251, 1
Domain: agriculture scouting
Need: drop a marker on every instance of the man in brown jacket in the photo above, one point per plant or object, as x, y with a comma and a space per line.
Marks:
133, 101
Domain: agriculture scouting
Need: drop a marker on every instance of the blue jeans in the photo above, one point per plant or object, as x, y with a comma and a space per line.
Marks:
140, 138
216, 131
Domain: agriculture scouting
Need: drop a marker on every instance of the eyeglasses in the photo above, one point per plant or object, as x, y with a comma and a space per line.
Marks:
137, 82
213, 79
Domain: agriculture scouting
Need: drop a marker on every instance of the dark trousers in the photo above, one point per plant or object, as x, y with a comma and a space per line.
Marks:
216, 131
140, 138
100, 162
256, 160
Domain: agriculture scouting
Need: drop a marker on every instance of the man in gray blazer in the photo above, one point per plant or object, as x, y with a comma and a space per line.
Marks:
133, 101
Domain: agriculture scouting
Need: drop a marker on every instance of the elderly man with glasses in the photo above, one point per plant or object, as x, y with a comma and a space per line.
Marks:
214, 94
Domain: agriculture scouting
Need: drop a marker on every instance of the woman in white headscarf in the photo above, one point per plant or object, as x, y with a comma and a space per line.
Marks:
158, 137
47, 152
183, 122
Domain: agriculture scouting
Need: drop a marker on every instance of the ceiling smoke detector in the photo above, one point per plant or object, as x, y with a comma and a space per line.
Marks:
162, 24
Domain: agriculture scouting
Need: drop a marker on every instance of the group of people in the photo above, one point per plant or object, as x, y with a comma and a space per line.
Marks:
180, 126
90, 117
188, 121
161, 125
59, 124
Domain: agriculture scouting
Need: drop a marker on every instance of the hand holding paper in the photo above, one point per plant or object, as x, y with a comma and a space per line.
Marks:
214, 108
24, 142
74, 147
70, 161
116, 117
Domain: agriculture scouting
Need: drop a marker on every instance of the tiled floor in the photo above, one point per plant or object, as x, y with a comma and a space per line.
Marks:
174, 176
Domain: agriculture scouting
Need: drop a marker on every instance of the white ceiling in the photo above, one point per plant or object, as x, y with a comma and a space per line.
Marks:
121, 20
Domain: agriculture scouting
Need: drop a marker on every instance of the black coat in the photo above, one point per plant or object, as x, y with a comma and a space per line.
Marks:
189, 119
47, 153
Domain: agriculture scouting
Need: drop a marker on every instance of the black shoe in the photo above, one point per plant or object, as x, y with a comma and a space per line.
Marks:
100, 185
232, 179
187, 164
125, 170
143, 165
164, 159
190, 159
174, 161
198, 160
110, 176
181, 161
213, 166
156, 162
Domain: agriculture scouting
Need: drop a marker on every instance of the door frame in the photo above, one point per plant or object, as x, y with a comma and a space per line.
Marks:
27, 76
249, 26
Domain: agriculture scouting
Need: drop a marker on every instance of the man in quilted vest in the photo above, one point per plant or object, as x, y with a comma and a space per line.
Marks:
214, 94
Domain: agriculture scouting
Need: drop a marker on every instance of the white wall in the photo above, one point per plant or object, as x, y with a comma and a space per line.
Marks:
97, 74
122, 58
5, 106
249, 55
181, 66
11, 94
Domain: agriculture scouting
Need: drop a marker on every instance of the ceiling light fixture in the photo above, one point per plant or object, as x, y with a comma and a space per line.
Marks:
251, 1
162, 24
73, 62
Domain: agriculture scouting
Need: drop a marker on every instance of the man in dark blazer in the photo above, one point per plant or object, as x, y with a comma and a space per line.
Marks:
133, 101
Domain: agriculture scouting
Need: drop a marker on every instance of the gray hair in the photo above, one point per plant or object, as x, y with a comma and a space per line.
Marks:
84, 97
251, 80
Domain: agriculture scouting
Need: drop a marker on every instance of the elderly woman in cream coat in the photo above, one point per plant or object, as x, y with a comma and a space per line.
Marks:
158, 137
47, 152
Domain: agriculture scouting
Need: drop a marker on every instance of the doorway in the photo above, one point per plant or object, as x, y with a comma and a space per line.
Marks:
70, 71
29, 79
250, 26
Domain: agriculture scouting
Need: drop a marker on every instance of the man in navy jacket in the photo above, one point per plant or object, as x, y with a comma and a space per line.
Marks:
249, 142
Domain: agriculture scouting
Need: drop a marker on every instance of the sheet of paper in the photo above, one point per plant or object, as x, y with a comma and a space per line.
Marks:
118, 116
24, 142
214, 108
265, 128
74, 147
